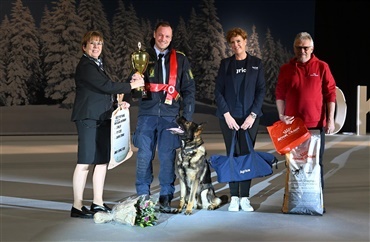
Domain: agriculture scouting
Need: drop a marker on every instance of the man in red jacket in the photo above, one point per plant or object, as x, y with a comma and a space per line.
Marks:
306, 89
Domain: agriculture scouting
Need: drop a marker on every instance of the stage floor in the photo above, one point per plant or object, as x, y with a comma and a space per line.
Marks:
36, 197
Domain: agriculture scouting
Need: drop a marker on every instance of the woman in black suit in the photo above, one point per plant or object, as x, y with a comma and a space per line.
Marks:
239, 94
91, 113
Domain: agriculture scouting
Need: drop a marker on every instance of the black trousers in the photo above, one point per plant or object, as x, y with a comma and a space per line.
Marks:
239, 189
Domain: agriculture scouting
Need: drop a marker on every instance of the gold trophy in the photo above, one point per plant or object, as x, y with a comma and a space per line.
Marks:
140, 60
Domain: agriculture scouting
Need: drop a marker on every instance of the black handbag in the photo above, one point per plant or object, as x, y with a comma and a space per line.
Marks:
245, 167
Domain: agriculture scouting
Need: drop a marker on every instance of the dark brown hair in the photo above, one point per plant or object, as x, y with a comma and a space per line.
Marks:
162, 24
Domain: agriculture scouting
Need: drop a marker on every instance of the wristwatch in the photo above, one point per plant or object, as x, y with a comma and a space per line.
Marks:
253, 115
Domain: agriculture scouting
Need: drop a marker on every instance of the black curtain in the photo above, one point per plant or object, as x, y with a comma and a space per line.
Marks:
340, 38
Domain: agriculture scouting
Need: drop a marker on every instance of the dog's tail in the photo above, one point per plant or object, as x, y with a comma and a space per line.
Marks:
224, 199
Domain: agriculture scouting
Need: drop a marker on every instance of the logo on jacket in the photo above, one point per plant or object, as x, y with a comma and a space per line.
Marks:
151, 72
241, 70
314, 74
255, 67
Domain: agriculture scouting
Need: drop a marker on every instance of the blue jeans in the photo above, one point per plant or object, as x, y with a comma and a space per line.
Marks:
151, 134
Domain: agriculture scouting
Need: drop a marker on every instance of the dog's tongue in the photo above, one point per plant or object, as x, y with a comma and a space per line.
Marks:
176, 130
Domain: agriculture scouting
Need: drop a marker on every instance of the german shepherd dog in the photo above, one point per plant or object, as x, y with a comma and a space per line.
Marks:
193, 169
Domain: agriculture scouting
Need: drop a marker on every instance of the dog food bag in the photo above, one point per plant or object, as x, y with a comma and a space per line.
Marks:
303, 190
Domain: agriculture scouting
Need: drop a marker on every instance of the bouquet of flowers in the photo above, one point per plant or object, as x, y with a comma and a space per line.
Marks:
145, 212
138, 211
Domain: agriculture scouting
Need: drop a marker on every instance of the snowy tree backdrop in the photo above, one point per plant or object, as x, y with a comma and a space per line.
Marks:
37, 64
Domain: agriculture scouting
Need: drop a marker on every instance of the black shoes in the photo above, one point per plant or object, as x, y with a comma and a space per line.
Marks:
97, 208
83, 213
86, 213
165, 204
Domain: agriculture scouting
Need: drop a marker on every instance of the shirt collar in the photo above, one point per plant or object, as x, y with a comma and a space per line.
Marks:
159, 52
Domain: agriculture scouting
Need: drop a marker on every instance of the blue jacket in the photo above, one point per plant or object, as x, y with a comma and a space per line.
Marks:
254, 87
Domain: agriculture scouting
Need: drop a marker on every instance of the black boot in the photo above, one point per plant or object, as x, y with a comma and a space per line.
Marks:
165, 203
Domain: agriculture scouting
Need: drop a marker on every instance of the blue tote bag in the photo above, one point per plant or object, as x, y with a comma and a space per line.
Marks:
245, 167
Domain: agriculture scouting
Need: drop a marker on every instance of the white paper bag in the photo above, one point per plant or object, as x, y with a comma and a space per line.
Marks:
120, 137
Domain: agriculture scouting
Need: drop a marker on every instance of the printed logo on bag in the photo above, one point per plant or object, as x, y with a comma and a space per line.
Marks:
300, 159
245, 170
301, 173
288, 132
301, 156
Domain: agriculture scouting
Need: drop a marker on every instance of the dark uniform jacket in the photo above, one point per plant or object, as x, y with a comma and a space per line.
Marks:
154, 105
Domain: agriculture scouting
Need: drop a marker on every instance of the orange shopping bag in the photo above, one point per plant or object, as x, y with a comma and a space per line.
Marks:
286, 137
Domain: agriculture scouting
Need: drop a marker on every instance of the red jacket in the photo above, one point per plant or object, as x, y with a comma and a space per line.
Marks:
306, 88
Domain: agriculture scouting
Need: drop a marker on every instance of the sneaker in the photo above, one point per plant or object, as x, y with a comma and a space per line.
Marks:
234, 204
246, 205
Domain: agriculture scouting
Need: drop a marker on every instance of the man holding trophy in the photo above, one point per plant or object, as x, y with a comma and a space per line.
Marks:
169, 92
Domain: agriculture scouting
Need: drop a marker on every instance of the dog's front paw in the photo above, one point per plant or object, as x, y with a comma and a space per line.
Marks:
177, 210
188, 212
213, 207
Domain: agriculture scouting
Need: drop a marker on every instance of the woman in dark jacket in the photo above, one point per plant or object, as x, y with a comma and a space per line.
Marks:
91, 113
239, 94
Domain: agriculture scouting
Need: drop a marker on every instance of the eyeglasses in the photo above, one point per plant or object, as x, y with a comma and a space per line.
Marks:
96, 43
305, 48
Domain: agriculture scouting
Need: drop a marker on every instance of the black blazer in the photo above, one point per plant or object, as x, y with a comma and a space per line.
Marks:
254, 87
94, 91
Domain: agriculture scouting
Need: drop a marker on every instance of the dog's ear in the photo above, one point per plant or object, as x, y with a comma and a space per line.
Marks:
200, 126
182, 118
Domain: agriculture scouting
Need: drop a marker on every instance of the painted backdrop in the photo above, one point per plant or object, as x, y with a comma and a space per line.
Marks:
42, 41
